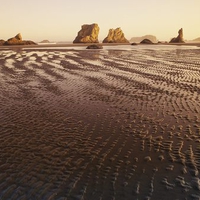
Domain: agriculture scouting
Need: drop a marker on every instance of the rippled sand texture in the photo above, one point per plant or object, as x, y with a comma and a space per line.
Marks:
103, 124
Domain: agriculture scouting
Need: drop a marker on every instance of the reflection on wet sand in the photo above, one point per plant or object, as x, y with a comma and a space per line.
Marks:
106, 124
115, 52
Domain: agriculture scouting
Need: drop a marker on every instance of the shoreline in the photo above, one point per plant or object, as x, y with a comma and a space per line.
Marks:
87, 44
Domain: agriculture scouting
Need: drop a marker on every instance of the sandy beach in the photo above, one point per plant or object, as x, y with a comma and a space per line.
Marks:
100, 124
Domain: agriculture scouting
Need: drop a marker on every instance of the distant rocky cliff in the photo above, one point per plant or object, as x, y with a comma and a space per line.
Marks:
146, 41
45, 41
196, 40
115, 36
88, 34
139, 39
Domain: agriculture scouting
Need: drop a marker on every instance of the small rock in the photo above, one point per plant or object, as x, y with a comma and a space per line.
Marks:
94, 46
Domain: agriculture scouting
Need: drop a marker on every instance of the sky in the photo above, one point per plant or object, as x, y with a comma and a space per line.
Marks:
60, 20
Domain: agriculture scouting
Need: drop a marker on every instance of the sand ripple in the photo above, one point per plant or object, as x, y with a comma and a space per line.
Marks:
108, 124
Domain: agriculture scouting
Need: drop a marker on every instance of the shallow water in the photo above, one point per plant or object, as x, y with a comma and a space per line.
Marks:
100, 124
116, 47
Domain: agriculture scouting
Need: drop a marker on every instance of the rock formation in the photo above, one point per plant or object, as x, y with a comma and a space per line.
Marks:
115, 36
2, 42
139, 39
88, 34
179, 38
94, 46
17, 40
146, 41
28, 42
133, 43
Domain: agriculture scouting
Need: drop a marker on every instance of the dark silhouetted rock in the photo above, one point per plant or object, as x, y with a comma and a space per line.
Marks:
139, 39
179, 38
94, 46
2, 42
88, 34
146, 41
133, 43
17, 40
115, 36
28, 42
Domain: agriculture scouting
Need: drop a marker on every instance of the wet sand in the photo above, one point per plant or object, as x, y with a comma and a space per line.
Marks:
100, 124
62, 45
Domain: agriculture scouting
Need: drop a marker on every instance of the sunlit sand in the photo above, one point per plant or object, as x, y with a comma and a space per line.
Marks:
117, 123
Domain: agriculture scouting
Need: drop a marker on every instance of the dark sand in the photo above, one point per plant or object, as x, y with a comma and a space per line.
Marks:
100, 124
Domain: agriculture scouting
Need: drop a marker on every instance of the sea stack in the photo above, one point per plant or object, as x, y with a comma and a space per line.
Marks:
17, 40
88, 34
179, 38
115, 36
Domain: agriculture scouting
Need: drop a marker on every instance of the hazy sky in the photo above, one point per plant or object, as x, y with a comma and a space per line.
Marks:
60, 20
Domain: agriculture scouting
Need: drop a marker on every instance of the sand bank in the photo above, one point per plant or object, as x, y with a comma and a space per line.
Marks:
102, 124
